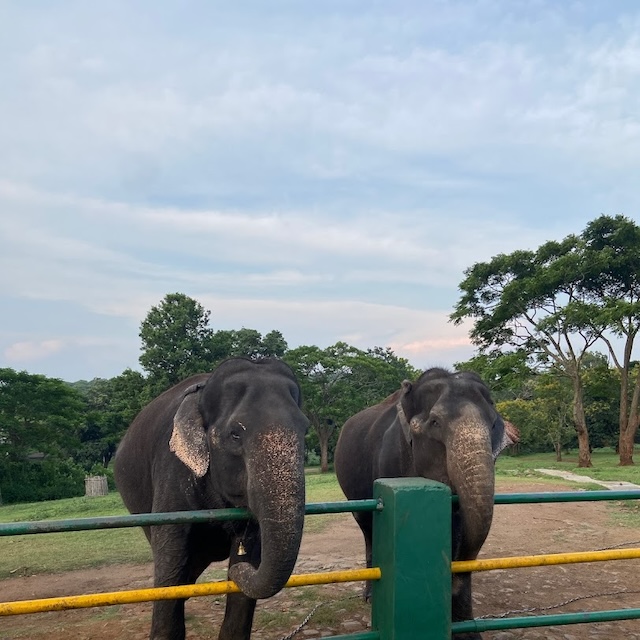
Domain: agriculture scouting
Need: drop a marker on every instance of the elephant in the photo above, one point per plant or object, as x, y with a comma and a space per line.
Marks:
445, 427
230, 438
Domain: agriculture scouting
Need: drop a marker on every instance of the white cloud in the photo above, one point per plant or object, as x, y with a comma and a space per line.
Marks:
326, 173
23, 352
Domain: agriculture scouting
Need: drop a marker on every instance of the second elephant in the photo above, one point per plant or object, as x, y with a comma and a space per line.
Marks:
445, 427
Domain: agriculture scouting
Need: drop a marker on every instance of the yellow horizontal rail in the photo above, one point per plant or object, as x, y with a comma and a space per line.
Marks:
543, 560
173, 593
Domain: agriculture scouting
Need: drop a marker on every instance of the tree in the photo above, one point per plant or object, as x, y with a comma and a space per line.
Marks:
602, 400
273, 344
341, 380
40, 419
176, 340
251, 344
319, 372
553, 407
111, 405
534, 301
613, 279
37, 414
507, 374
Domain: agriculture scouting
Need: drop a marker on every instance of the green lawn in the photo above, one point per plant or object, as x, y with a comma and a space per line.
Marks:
56, 552
605, 465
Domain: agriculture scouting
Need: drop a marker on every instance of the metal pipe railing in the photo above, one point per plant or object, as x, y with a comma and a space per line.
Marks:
500, 624
64, 603
175, 517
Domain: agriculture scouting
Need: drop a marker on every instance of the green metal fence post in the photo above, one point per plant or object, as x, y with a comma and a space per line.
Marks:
412, 547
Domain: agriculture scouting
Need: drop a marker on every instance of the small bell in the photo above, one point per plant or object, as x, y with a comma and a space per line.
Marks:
241, 550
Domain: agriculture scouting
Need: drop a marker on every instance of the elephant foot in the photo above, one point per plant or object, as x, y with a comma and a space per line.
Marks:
366, 592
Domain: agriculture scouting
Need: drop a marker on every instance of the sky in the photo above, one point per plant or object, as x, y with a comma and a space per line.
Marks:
325, 169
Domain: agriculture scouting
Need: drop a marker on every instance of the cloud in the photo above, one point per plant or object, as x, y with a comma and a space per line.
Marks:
24, 352
331, 172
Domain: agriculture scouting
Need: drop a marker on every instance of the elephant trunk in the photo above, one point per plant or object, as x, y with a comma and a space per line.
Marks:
471, 469
277, 500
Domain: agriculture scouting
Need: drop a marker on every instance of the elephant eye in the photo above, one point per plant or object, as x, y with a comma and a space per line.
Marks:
236, 432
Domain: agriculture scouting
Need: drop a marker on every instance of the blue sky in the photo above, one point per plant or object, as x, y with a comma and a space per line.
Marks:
325, 169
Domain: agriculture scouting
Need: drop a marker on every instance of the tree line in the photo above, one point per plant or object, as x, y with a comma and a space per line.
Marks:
555, 305
54, 433
538, 318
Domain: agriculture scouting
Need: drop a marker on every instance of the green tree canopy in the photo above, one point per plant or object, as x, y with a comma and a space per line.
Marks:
612, 246
111, 405
339, 381
534, 301
37, 415
175, 340
507, 374
40, 419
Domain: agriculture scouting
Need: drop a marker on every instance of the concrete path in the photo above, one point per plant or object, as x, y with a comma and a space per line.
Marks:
574, 477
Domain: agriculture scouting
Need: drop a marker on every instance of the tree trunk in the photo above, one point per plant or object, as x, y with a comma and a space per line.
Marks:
627, 440
324, 429
324, 455
580, 422
558, 447
629, 427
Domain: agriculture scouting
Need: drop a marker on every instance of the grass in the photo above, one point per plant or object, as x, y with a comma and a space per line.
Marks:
605, 466
58, 552
330, 614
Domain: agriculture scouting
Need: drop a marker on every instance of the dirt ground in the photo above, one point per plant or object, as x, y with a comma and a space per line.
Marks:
517, 530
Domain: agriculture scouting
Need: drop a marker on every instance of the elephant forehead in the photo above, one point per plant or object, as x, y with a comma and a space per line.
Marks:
461, 405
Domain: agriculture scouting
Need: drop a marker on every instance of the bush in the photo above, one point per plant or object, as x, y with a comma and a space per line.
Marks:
50, 479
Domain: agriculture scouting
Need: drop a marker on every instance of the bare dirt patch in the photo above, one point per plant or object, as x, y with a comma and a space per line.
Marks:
517, 530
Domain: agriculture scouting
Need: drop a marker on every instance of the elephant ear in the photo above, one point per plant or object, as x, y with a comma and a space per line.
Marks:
510, 436
402, 414
188, 439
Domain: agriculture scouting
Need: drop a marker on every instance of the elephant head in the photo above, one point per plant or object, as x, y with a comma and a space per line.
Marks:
242, 431
455, 434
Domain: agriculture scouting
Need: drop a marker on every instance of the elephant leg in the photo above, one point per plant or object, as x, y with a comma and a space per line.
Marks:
238, 617
461, 604
239, 610
365, 522
172, 567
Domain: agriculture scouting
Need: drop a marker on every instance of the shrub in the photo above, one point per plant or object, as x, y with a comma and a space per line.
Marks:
50, 479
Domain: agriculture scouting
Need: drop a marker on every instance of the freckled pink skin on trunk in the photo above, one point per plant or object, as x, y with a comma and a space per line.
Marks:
471, 469
277, 498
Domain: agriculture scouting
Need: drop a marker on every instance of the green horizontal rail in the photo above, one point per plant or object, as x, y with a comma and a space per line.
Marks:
363, 635
565, 496
176, 517
499, 624
316, 508
562, 496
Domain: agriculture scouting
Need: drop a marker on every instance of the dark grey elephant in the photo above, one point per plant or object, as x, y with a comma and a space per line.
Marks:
231, 438
444, 426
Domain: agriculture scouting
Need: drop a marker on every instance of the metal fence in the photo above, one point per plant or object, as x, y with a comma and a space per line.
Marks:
411, 558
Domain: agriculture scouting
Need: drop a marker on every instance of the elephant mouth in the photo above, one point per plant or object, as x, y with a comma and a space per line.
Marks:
237, 501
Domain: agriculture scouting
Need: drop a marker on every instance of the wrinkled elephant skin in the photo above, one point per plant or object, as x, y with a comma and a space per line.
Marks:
231, 438
444, 426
